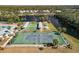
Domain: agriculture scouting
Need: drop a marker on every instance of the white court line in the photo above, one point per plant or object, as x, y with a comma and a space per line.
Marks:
25, 45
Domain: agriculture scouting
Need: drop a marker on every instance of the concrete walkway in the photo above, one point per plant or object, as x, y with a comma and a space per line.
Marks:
40, 26
47, 27
5, 42
25, 45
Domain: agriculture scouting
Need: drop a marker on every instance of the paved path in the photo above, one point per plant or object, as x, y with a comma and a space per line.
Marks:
41, 26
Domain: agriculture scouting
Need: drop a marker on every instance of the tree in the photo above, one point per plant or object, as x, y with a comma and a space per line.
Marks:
10, 20
69, 46
55, 43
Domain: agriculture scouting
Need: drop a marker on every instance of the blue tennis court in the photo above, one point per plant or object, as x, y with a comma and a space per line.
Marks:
37, 38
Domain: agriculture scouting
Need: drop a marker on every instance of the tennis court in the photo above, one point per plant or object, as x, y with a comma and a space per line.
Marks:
37, 38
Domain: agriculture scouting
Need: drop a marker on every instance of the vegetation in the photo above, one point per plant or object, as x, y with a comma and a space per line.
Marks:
69, 19
65, 14
55, 43
12, 13
70, 15
41, 48
69, 46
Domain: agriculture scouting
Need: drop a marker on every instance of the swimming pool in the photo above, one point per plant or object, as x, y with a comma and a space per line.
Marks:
7, 27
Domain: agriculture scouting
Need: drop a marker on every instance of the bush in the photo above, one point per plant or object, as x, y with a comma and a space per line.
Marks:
69, 46
22, 27
55, 43
40, 48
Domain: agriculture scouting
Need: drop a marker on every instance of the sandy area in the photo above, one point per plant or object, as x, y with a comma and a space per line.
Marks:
36, 50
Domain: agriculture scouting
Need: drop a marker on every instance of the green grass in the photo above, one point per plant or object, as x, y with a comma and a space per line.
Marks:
32, 26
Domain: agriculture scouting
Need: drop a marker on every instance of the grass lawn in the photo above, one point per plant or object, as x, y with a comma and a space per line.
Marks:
52, 27
32, 26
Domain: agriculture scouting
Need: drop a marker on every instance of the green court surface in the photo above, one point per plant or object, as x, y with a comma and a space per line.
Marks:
32, 26
37, 38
